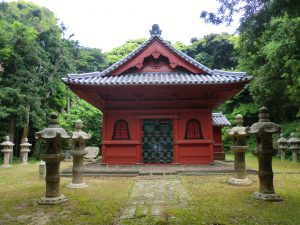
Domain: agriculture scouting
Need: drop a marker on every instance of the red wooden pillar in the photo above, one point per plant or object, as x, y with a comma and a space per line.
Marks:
139, 138
104, 136
175, 138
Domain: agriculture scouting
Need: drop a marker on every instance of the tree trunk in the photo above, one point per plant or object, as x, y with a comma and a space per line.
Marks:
26, 126
11, 134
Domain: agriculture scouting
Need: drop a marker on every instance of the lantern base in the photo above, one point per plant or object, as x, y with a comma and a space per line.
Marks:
267, 197
239, 182
5, 166
53, 201
80, 185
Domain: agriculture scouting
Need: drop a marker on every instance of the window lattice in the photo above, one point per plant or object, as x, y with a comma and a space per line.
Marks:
121, 131
193, 130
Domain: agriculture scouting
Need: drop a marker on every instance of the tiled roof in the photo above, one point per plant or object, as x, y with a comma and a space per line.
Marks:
210, 76
218, 119
156, 79
141, 47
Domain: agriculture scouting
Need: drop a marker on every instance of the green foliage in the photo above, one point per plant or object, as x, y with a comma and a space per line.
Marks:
179, 46
277, 68
268, 49
91, 117
35, 55
90, 60
214, 50
118, 53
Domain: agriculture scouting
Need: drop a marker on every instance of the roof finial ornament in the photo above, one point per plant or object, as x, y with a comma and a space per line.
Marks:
155, 31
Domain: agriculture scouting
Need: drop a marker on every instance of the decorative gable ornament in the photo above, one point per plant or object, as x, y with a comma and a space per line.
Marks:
155, 31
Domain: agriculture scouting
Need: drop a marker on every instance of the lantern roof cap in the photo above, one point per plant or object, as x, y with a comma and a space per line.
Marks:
282, 139
293, 139
7, 142
78, 133
239, 129
53, 130
25, 143
264, 125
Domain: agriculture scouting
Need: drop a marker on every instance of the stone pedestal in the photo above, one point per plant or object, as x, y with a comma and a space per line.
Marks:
263, 130
53, 136
238, 135
78, 144
77, 180
282, 146
7, 151
239, 166
294, 146
24, 151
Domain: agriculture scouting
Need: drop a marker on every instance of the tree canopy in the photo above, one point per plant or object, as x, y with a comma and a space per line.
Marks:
268, 49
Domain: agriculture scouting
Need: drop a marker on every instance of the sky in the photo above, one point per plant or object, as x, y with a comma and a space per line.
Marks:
107, 24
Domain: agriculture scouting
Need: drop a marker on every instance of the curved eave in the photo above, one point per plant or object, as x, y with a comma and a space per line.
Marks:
157, 79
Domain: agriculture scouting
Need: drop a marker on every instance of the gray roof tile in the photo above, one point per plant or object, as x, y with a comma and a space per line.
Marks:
218, 119
157, 79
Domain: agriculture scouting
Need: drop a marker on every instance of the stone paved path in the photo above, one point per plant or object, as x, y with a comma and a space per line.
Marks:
152, 196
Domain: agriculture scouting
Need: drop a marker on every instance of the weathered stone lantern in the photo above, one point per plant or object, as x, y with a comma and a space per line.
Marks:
25, 148
7, 150
294, 146
78, 145
282, 146
263, 130
238, 135
53, 136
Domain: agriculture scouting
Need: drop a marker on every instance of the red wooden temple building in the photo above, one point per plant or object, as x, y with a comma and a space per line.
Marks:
157, 105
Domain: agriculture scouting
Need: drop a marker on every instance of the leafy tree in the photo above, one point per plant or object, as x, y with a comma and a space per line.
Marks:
119, 52
91, 117
268, 50
214, 50
34, 57
180, 46
90, 60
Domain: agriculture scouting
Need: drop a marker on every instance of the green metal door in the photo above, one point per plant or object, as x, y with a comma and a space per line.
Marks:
157, 144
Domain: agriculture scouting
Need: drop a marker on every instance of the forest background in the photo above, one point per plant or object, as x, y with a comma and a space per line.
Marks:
36, 53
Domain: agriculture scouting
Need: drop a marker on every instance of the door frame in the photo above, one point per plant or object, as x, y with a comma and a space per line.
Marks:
175, 133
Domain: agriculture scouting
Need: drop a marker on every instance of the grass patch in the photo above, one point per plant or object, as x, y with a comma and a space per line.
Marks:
215, 202
212, 200
99, 203
278, 165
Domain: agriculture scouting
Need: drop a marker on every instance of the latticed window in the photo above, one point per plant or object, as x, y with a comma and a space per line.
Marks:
121, 131
193, 130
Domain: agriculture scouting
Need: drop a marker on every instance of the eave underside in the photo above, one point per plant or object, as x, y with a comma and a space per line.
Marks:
156, 97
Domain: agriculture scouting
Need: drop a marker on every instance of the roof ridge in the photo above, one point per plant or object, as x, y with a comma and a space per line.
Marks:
229, 73
217, 113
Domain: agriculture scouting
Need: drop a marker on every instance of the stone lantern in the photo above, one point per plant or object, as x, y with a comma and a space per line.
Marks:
294, 146
53, 136
282, 145
263, 130
24, 151
238, 135
7, 150
78, 145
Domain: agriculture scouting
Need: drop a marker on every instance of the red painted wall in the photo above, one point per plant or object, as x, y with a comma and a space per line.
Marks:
184, 151
218, 151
